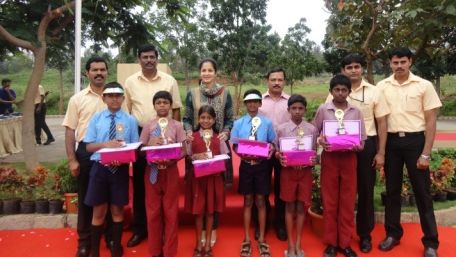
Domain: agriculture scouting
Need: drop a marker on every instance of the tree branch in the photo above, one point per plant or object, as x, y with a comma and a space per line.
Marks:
51, 15
14, 40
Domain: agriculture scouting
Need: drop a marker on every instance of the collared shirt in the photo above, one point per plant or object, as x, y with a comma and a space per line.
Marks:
242, 127
100, 124
290, 129
275, 110
174, 131
370, 101
139, 92
326, 112
4, 107
407, 102
81, 107
38, 95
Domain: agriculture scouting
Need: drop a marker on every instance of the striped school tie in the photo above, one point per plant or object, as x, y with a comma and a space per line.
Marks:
112, 135
153, 167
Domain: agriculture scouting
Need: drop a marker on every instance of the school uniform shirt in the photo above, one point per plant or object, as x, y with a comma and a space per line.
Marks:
326, 112
290, 129
38, 95
242, 127
408, 102
370, 101
174, 131
99, 126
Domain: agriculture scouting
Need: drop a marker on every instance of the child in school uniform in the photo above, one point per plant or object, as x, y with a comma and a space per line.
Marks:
254, 179
296, 181
108, 185
338, 172
162, 185
205, 195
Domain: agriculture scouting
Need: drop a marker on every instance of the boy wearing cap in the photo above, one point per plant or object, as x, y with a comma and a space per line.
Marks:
338, 171
108, 184
254, 179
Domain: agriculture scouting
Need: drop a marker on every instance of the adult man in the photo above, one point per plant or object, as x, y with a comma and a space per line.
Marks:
81, 108
7, 97
275, 107
40, 117
411, 130
370, 100
139, 91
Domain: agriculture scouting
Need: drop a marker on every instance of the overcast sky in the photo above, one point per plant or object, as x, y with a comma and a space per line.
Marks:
283, 14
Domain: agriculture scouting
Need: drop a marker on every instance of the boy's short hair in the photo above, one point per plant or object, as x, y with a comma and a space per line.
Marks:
252, 92
340, 79
352, 58
113, 88
5, 81
295, 98
164, 95
400, 52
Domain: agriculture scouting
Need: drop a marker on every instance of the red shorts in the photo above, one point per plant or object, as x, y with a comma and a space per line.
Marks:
296, 185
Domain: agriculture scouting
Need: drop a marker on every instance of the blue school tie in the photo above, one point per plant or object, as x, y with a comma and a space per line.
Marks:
112, 135
153, 167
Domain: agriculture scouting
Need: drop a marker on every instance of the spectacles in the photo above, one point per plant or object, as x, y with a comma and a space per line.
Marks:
362, 100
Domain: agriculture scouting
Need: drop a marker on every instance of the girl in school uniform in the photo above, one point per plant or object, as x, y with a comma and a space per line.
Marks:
205, 195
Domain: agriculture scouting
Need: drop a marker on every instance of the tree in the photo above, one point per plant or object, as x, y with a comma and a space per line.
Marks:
31, 26
234, 26
60, 59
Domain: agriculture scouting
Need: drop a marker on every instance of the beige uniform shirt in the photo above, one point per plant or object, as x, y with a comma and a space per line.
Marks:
407, 102
81, 107
139, 92
275, 110
38, 95
372, 103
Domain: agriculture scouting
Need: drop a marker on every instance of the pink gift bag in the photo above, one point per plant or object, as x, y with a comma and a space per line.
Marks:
253, 147
210, 166
163, 152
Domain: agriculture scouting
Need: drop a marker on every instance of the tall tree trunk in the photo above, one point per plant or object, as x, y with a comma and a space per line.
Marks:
237, 93
370, 70
61, 95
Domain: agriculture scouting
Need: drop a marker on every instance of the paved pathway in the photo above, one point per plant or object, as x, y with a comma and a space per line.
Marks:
56, 151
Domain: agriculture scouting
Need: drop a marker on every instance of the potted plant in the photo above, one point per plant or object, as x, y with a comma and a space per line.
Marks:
316, 209
68, 186
10, 183
449, 168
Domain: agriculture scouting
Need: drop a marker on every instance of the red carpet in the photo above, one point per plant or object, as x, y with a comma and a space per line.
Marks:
445, 136
62, 243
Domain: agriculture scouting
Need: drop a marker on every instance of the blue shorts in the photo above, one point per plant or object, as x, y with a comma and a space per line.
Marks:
105, 187
254, 179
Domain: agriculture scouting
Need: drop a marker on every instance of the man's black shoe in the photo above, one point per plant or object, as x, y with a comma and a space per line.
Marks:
135, 240
388, 243
83, 252
348, 252
430, 252
365, 245
49, 141
330, 251
281, 233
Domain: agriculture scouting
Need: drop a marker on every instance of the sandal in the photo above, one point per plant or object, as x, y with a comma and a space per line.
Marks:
197, 253
263, 247
208, 253
287, 254
246, 249
301, 253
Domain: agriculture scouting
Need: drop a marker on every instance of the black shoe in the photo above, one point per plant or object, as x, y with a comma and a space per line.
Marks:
38, 142
281, 233
83, 252
430, 252
120, 252
257, 232
388, 243
348, 252
365, 245
330, 251
49, 141
135, 240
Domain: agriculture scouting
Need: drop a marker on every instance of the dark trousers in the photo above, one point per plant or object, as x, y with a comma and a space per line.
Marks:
40, 123
406, 150
279, 204
139, 225
366, 176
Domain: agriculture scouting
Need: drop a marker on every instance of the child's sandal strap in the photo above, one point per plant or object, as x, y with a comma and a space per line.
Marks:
264, 249
246, 249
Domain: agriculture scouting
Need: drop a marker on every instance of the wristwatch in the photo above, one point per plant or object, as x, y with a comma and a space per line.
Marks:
425, 157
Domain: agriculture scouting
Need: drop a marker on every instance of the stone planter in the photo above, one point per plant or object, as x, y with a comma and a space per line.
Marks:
55, 206
451, 193
440, 196
27, 206
316, 222
42, 206
11, 206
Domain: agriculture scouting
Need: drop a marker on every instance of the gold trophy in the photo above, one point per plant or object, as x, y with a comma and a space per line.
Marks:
299, 136
163, 123
256, 122
207, 137
339, 113
120, 132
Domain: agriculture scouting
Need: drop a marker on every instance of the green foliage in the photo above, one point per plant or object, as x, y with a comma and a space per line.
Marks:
448, 108
68, 183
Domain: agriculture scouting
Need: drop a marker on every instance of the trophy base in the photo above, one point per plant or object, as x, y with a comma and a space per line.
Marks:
209, 155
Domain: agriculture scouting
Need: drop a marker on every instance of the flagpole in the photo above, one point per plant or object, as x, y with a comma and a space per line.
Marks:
77, 47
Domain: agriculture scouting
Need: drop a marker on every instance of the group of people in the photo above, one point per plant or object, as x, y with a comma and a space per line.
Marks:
397, 126
8, 98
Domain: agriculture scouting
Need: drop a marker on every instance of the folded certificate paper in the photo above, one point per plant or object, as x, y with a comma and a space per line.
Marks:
253, 147
125, 154
163, 152
341, 142
297, 155
210, 166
